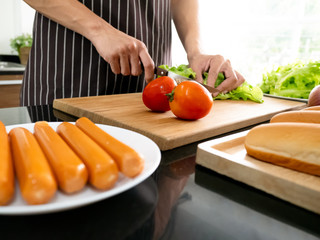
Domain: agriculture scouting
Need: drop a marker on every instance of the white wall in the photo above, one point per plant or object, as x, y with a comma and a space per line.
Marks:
257, 35
16, 17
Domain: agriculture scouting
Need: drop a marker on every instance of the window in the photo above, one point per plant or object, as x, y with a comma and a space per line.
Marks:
257, 35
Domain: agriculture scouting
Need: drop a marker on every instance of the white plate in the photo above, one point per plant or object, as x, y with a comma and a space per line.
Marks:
143, 145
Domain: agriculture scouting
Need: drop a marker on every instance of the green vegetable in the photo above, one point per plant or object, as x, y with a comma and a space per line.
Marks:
292, 80
219, 80
182, 70
244, 92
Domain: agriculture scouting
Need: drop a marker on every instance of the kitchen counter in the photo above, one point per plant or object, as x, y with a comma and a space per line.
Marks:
11, 68
181, 200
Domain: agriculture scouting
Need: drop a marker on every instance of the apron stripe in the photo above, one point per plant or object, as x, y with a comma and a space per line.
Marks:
64, 64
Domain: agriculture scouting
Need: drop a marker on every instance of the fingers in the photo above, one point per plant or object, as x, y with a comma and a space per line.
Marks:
126, 60
215, 67
199, 67
125, 68
199, 77
232, 80
115, 65
134, 60
127, 57
241, 79
135, 64
147, 63
198, 70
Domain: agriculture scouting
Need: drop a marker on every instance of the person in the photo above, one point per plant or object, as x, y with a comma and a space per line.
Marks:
101, 47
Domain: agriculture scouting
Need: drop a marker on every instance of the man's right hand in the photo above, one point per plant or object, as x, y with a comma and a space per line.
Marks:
124, 53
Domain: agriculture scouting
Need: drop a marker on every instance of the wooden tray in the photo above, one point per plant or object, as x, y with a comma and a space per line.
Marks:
128, 111
228, 156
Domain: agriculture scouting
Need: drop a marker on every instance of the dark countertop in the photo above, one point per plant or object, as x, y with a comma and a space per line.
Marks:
181, 200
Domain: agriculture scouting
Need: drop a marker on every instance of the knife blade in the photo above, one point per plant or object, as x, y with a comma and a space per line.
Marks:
178, 78
163, 72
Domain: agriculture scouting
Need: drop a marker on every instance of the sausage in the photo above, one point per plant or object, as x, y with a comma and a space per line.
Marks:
103, 171
130, 163
36, 179
310, 116
70, 171
6, 168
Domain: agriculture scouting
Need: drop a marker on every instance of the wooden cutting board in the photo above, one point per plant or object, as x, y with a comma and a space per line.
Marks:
128, 111
228, 156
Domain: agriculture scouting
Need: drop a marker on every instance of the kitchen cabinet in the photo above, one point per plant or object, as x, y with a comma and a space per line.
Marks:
11, 74
10, 86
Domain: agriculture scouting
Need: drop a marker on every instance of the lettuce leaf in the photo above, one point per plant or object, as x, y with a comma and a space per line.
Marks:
244, 92
292, 80
219, 80
182, 70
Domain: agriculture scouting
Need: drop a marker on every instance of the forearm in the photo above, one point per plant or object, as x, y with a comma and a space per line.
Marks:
127, 53
185, 18
73, 15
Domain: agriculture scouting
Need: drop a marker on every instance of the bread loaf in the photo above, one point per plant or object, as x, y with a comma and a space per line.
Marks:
311, 116
316, 108
292, 145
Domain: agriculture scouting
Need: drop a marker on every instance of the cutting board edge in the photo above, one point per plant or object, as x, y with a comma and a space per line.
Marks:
203, 136
163, 142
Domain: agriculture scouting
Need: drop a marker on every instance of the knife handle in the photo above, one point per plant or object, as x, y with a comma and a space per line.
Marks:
160, 72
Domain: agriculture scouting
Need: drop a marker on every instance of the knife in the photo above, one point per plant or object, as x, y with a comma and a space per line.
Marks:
178, 78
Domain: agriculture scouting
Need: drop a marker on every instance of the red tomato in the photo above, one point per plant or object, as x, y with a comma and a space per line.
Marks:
154, 95
190, 101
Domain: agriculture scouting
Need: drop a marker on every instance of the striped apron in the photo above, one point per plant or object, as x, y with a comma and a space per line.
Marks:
64, 64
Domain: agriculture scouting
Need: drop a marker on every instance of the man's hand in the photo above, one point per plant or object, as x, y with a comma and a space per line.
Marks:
214, 64
124, 53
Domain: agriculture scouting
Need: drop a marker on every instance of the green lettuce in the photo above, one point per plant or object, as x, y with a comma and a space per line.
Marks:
292, 80
219, 80
244, 92
182, 70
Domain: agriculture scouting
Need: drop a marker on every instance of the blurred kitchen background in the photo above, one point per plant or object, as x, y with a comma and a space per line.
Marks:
254, 34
